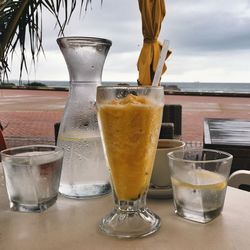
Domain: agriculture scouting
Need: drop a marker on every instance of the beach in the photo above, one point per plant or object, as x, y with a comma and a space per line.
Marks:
29, 115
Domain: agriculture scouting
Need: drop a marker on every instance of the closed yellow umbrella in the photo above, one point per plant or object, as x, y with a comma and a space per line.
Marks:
152, 14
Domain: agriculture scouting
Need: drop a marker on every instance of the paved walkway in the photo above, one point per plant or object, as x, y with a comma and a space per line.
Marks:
196, 108
30, 114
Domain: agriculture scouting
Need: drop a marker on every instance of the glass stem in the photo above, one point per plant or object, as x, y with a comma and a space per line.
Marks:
131, 205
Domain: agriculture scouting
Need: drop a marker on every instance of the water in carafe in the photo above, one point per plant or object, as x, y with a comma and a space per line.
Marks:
84, 174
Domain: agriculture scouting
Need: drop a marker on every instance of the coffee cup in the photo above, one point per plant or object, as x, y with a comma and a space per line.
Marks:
161, 172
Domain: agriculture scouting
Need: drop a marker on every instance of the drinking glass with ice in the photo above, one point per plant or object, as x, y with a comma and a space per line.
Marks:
32, 176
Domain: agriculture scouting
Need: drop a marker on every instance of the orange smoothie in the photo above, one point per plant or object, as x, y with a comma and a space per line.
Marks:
130, 128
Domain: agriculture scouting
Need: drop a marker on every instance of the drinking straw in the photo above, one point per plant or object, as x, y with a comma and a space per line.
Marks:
160, 64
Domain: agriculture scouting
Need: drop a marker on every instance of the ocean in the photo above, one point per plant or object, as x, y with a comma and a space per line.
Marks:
196, 87
210, 87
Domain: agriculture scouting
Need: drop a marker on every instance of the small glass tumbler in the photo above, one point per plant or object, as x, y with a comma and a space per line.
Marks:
32, 175
199, 180
129, 120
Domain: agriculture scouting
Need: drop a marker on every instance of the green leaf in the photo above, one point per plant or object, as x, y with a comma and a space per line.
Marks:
20, 19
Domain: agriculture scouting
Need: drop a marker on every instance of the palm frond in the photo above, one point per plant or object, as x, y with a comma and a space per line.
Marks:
11, 13
20, 19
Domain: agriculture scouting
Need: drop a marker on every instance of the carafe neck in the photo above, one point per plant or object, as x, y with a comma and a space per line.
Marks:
85, 57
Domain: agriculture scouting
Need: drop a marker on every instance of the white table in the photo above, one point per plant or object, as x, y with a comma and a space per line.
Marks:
73, 224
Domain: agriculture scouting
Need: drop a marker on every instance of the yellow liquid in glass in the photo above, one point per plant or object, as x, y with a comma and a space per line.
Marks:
130, 128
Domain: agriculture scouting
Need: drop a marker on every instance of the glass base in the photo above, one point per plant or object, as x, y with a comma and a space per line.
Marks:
201, 217
84, 191
38, 208
130, 224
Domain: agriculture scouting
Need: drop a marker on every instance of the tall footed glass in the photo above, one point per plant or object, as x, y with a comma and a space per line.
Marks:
83, 174
130, 119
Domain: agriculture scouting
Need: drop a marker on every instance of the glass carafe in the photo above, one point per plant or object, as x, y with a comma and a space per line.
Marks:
84, 174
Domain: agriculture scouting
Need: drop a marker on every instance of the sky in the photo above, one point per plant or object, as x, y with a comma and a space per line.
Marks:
210, 41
